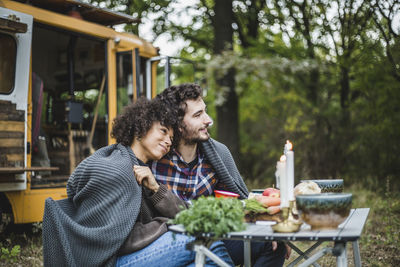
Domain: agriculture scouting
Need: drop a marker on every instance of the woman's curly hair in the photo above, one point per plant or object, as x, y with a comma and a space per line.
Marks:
136, 120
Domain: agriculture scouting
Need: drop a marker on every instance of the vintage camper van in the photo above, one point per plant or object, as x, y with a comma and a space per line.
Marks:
65, 73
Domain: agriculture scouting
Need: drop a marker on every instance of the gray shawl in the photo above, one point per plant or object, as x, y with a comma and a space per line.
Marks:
104, 200
222, 161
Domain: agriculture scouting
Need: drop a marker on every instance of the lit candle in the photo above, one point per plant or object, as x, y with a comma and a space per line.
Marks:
277, 185
289, 169
281, 169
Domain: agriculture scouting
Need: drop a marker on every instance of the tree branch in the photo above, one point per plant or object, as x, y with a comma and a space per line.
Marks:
388, 51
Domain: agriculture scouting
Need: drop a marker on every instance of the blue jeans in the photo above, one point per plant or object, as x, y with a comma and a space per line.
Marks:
261, 253
169, 252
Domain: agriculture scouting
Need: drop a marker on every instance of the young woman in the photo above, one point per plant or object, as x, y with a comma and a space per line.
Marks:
116, 212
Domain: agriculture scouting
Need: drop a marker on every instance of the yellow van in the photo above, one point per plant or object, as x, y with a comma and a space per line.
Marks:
64, 75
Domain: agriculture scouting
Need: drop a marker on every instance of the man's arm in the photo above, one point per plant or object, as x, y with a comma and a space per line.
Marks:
224, 165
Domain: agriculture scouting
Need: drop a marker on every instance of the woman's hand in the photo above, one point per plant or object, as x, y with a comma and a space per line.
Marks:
145, 177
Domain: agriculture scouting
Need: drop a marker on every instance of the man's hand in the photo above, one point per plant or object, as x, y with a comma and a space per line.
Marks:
145, 177
288, 249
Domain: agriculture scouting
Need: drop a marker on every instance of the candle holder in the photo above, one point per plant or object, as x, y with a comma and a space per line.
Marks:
289, 224
294, 214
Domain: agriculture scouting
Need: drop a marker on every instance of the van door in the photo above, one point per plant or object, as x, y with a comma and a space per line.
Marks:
132, 76
15, 51
168, 70
126, 77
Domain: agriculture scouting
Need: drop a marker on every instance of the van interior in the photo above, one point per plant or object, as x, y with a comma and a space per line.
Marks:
69, 101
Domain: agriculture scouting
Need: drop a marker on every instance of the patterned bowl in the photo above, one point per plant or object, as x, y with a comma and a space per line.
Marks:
329, 185
324, 211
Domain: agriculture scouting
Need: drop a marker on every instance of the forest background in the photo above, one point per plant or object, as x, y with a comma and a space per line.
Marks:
322, 74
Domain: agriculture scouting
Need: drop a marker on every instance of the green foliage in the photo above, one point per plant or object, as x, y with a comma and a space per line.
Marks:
123, 99
12, 255
212, 215
323, 74
252, 205
337, 104
181, 71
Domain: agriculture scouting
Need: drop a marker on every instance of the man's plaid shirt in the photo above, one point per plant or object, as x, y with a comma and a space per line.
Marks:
185, 182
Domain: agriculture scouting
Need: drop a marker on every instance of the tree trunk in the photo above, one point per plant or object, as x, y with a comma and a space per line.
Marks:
227, 113
228, 117
344, 87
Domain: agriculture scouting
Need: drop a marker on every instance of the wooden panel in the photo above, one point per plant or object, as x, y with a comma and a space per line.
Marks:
12, 116
12, 132
28, 169
15, 157
12, 126
5, 105
11, 135
10, 178
12, 142
11, 150
13, 26
18, 115
3, 117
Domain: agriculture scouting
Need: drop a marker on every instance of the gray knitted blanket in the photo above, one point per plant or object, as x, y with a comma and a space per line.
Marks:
222, 161
104, 199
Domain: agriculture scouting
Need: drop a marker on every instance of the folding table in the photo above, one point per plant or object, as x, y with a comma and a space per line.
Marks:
349, 231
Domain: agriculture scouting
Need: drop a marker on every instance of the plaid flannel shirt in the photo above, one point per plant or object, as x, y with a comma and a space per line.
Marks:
186, 183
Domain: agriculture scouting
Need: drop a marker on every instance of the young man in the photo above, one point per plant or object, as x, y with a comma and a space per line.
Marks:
200, 164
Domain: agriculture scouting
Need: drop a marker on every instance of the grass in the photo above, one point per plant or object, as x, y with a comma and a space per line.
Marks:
28, 238
379, 244
380, 241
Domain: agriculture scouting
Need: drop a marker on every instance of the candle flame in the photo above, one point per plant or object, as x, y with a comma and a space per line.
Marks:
283, 158
289, 145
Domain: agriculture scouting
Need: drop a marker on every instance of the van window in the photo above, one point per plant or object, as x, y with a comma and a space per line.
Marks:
8, 57
124, 80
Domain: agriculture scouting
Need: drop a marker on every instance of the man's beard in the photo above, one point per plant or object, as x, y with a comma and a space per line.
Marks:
192, 136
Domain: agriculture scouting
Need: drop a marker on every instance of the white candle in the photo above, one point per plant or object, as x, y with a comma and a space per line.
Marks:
277, 174
281, 166
289, 169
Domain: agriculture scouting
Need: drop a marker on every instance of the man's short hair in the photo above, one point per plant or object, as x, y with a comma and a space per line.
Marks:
177, 95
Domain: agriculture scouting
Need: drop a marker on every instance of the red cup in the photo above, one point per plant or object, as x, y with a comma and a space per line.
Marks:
225, 194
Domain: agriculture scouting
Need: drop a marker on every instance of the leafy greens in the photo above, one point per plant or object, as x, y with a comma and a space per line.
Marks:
212, 215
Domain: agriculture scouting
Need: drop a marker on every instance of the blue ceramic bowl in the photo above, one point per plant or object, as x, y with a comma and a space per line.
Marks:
324, 211
328, 185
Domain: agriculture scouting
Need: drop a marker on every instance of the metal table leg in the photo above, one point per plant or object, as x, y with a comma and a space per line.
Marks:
303, 254
247, 253
202, 252
339, 250
341, 255
316, 257
200, 259
356, 253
